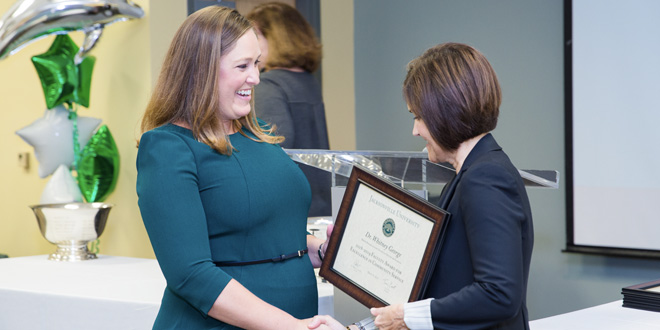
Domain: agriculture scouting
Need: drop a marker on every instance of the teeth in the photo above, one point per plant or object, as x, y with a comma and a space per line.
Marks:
244, 92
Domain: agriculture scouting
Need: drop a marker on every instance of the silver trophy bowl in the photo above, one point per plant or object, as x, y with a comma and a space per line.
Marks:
71, 226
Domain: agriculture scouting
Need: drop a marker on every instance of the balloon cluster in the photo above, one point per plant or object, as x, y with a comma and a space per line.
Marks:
81, 156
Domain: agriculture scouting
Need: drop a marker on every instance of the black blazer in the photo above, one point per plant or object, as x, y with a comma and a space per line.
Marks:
480, 279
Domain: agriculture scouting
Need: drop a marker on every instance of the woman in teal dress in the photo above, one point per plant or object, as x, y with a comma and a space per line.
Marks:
224, 206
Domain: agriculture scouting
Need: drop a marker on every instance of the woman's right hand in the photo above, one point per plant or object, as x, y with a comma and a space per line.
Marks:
325, 322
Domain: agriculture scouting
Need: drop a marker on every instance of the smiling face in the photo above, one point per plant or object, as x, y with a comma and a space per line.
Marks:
435, 152
239, 72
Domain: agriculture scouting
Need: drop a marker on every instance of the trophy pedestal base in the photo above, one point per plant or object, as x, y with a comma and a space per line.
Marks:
73, 251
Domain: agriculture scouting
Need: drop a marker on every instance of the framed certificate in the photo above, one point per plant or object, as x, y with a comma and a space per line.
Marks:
384, 243
644, 296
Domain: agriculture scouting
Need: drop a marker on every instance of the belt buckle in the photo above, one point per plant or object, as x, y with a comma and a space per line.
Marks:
300, 253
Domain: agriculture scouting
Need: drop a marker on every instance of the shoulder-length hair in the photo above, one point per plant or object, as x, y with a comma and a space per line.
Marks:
187, 88
454, 90
291, 39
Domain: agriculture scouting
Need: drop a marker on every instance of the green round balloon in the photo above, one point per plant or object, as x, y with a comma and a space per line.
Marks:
98, 167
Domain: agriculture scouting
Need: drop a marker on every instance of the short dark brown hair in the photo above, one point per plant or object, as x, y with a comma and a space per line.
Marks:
291, 39
454, 90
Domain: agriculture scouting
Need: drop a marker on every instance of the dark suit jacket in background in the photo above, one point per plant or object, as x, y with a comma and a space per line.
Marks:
480, 279
294, 103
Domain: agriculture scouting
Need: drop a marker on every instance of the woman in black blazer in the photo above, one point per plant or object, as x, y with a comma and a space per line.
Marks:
480, 279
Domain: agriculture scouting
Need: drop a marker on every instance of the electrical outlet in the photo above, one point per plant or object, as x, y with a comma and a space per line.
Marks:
24, 160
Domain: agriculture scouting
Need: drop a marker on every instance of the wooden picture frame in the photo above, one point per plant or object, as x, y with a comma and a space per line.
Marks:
384, 243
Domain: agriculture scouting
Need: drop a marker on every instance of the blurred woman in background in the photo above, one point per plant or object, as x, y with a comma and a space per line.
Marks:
289, 96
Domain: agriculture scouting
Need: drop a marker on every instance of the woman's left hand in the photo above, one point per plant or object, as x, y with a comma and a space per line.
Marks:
389, 317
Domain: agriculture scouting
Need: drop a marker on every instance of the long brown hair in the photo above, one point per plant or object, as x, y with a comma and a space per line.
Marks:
187, 87
291, 39
454, 90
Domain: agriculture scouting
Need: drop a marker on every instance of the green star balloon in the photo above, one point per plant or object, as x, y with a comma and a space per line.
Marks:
61, 78
98, 167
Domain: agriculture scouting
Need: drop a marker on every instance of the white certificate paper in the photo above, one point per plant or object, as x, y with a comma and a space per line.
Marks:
380, 249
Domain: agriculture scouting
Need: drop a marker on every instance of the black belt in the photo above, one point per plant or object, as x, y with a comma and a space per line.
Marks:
282, 257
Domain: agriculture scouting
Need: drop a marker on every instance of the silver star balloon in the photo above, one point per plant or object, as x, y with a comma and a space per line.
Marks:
52, 138
29, 20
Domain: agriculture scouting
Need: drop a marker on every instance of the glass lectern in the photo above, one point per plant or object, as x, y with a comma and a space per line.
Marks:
409, 170
401, 167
